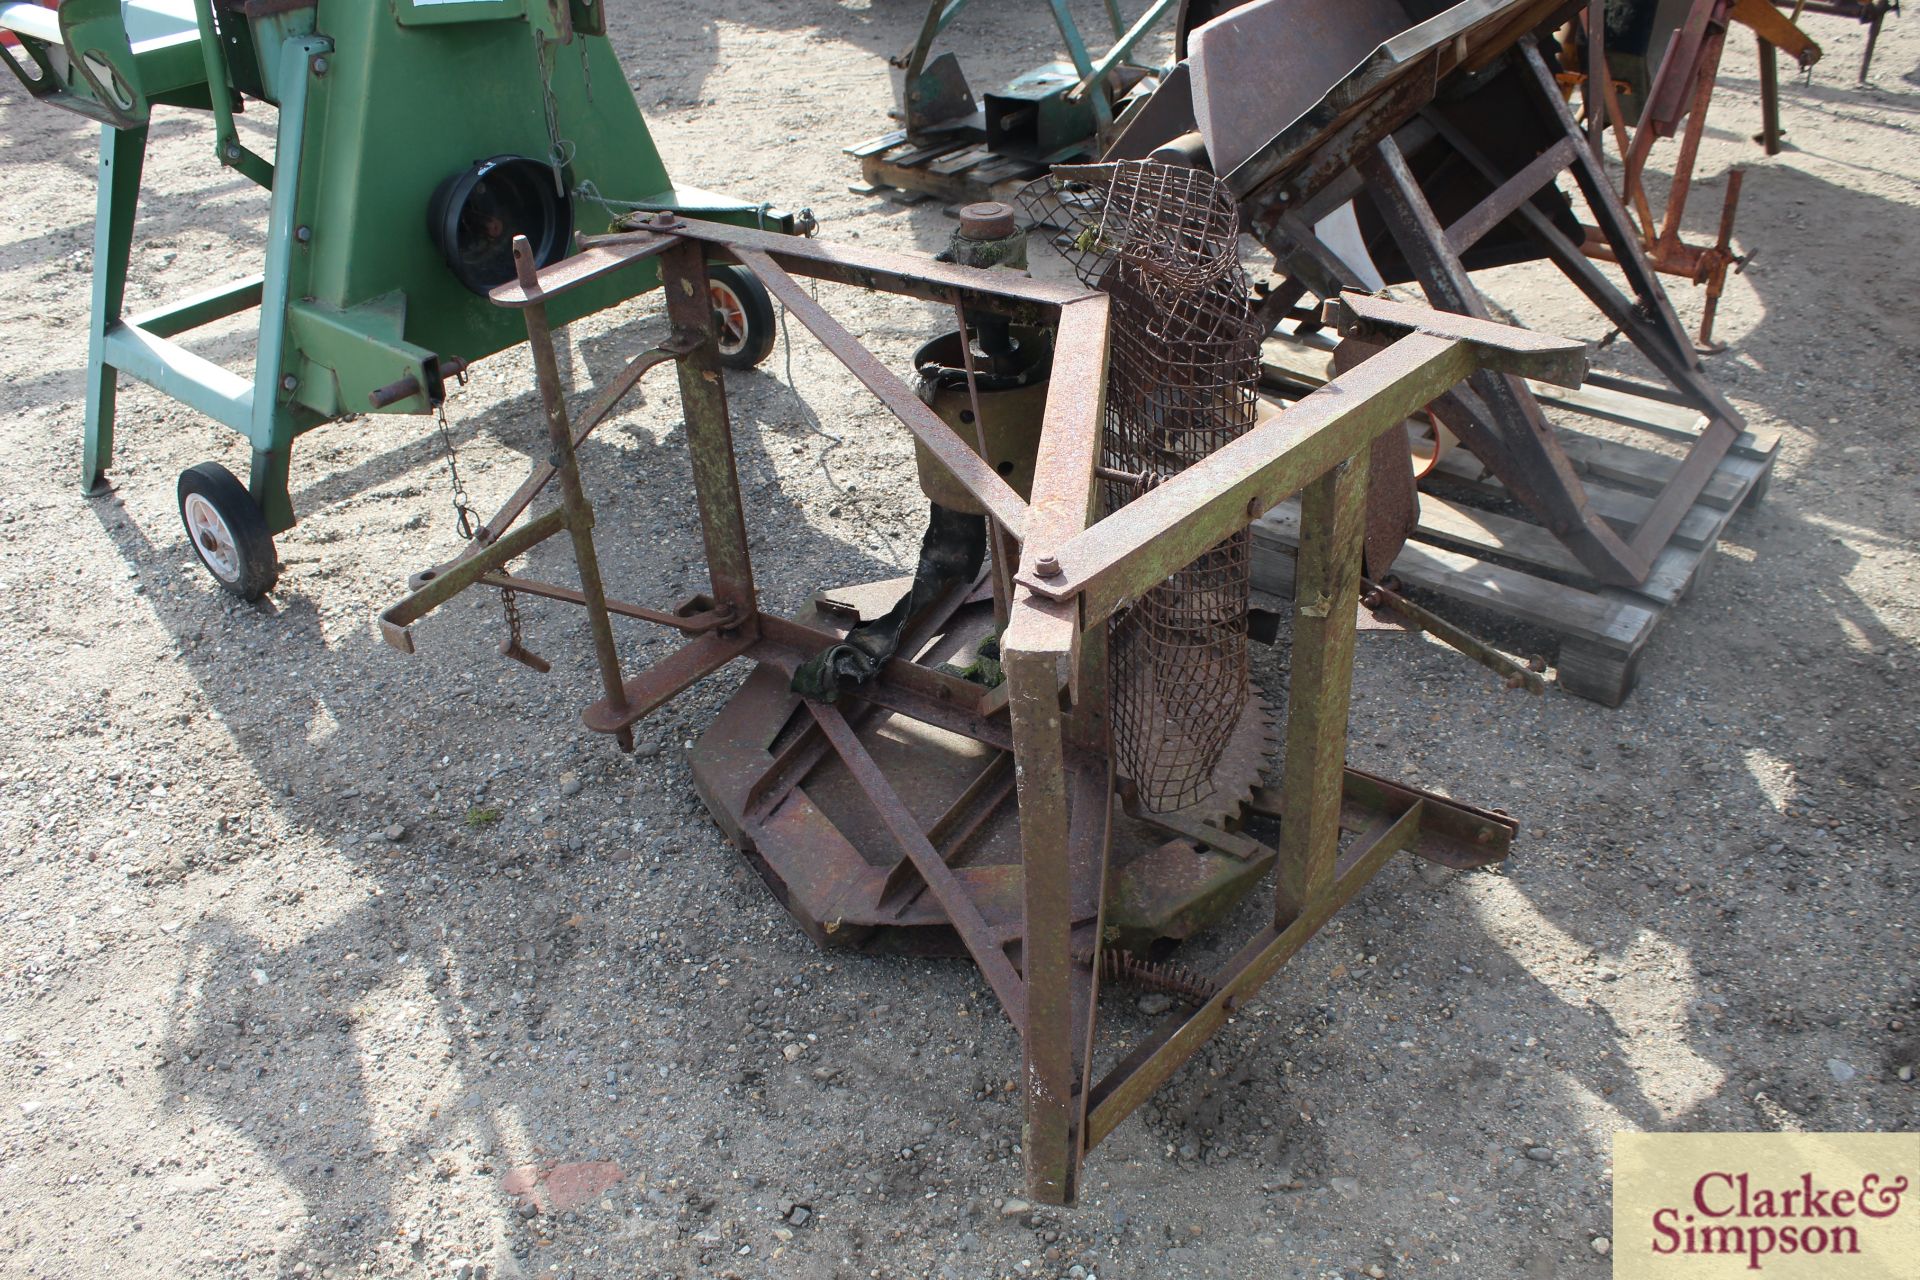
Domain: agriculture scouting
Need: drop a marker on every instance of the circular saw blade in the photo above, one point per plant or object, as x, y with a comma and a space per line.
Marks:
1243, 764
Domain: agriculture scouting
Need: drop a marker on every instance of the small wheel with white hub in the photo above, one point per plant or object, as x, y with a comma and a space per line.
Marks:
743, 316
227, 531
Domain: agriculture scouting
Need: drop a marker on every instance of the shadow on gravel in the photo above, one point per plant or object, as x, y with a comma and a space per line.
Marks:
494, 917
1611, 971
508, 978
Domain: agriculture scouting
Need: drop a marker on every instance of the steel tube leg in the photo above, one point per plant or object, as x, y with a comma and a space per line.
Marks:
1769, 97
1333, 524
703, 398
1722, 257
1597, 73
274, 417
1037, 640
1873, 38
122, 152
1690, 144
573, 496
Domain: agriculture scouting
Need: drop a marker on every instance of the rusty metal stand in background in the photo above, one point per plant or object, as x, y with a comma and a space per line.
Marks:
1443, 147
1681, 90
1870, 13
890, 807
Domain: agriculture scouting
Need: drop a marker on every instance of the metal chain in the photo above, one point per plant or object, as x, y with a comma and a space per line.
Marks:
510, 605
559, 149
463, 512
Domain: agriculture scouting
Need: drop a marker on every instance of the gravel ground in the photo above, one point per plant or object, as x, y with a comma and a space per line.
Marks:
314, 956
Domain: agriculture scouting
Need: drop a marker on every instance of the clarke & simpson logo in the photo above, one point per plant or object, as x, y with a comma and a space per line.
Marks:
1734, 1218
1785, 1205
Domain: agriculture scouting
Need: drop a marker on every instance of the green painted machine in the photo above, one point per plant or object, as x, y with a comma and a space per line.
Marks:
415, 140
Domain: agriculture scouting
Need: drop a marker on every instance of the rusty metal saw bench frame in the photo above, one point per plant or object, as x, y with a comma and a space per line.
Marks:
1335, 135
1075, 571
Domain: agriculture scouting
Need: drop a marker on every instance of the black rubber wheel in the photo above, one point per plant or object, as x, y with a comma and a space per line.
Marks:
227, 531
743, 316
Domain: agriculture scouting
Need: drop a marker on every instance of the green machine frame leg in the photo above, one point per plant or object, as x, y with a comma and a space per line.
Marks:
122, 153
264, 410
273, 419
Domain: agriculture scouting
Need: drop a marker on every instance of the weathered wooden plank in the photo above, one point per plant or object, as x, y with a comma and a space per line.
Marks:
1455, 526
1621, 508
875, 145
958, 170
959, 160
1598, 674
1569, 611
919, 182
1294, 363
1748, 472
1673, 422
1594, 457
1619, 477
917, 157
1486, 533
1602, 629
1643, 469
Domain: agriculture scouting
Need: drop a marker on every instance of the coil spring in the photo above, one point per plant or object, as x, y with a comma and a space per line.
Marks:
1155, 975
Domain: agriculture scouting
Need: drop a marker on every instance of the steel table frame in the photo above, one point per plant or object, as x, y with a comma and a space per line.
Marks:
1355, 138
1075, 571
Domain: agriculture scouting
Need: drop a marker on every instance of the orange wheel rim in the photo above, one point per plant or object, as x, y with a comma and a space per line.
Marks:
733, 316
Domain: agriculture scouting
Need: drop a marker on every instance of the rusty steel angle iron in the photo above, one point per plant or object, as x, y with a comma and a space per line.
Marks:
924, 803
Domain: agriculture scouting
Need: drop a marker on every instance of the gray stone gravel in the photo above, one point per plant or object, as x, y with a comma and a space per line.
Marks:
321, 961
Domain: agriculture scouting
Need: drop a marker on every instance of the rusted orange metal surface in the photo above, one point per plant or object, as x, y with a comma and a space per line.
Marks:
988, 817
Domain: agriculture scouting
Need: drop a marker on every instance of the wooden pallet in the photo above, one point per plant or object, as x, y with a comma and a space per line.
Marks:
1507, 565
957, 168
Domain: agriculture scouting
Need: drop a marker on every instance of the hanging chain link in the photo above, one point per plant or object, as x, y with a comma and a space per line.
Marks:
513, 646
464, 520
510, 605
559, 148
463, 513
